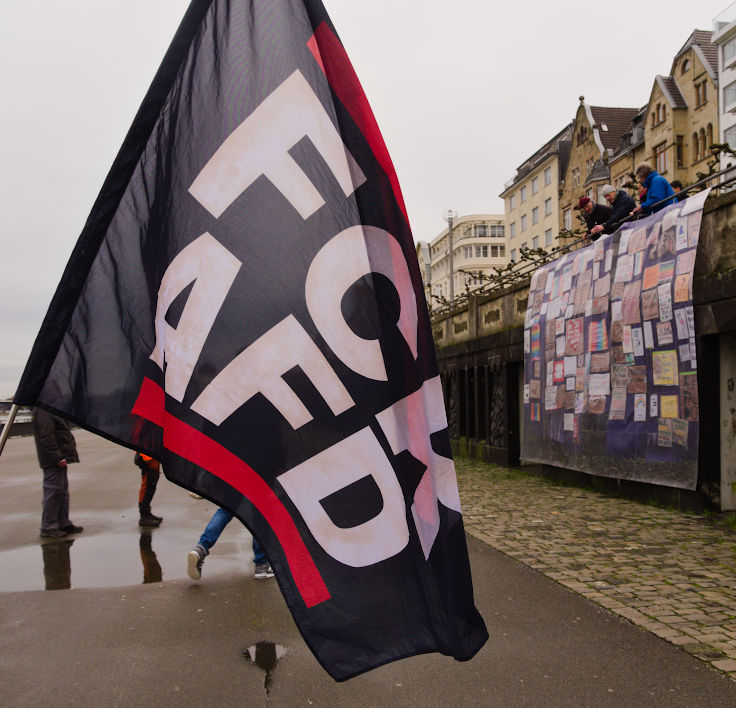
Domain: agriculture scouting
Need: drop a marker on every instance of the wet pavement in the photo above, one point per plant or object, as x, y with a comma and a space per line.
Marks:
124, 625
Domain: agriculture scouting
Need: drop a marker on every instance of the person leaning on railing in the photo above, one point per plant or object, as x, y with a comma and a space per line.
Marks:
621, 206
658, 189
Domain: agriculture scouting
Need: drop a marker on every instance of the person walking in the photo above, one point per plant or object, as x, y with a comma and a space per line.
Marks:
195, 558
56, 449
150, 471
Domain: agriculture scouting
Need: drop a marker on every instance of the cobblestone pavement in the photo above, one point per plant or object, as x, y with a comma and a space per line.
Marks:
669, 572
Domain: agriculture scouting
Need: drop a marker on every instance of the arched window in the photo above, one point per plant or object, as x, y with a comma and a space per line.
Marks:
696, 157
709, 136
702, 143
685, 66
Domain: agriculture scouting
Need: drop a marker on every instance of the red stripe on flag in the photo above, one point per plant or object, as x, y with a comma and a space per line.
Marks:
333, 60
190, 444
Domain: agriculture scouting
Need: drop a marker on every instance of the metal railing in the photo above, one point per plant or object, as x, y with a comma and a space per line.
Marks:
526, 268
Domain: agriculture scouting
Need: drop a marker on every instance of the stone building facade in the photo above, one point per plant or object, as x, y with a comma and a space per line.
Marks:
531, 197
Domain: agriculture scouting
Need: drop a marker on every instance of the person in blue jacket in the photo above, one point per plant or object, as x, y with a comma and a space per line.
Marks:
658, 188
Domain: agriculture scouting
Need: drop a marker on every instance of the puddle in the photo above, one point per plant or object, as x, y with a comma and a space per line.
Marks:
265, 655
113, 560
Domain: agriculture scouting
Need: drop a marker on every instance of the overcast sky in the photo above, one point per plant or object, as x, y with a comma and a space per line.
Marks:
463, 92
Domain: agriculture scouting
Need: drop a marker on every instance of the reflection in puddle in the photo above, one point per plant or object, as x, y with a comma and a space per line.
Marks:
113, 559
265, 655
57, 567
151, 567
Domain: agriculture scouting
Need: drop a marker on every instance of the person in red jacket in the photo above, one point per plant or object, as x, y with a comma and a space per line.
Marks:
150, 470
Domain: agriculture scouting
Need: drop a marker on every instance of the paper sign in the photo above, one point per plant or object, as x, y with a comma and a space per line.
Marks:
653, 405
637, 340
664, 368
648, 335
679, 432
650, 304
624, 268
665, 302
664, 333
664, 432
599, 384
597, 336
618, 404
574, 335
681, 322
640, 407
668, 406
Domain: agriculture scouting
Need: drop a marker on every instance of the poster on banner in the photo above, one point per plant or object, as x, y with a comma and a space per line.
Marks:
632, 322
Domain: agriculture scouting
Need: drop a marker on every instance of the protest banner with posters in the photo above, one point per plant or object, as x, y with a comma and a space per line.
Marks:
625, 304
244, 304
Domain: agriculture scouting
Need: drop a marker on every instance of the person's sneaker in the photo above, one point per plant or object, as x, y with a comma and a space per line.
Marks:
53, 533
263, 570
158, 518
149, 520
71, 528
195, 558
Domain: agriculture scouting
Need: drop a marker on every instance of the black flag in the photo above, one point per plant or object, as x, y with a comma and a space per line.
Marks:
244, 304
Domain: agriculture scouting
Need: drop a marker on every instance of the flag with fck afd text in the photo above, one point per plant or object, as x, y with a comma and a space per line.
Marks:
244, 304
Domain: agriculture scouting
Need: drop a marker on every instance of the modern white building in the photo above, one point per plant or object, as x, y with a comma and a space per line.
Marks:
724, 37
478, 246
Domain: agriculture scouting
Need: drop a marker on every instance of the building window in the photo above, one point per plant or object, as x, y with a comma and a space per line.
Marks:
701, 93
685, 66
481, 230
481, 251
576, 176
548, 176
567, 219
729, 51
513, 255
535, 215
497, 231
729, 95
535, 185
696, 147
709, 136
701, 148
548, 206
522, 192
497, 251
548, 237
680, 150
523, 223
468, 251
512, 229
660, 158
729, 135
535, 242
523, 246
512, 202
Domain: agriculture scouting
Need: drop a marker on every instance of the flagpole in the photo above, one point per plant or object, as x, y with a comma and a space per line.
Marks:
7, 426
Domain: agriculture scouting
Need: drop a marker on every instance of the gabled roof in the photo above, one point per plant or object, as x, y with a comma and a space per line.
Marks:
612, 123
701, 40
671, 91
599, 173
554, 146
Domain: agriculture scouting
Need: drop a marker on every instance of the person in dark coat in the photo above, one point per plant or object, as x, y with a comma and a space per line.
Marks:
621, 206
56, 449
594, 214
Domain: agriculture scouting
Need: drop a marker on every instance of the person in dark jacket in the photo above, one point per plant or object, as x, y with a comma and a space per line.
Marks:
594, 214
621, 206
56, 449
658, 189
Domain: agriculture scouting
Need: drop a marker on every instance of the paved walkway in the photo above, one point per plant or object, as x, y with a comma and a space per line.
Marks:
669, 572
